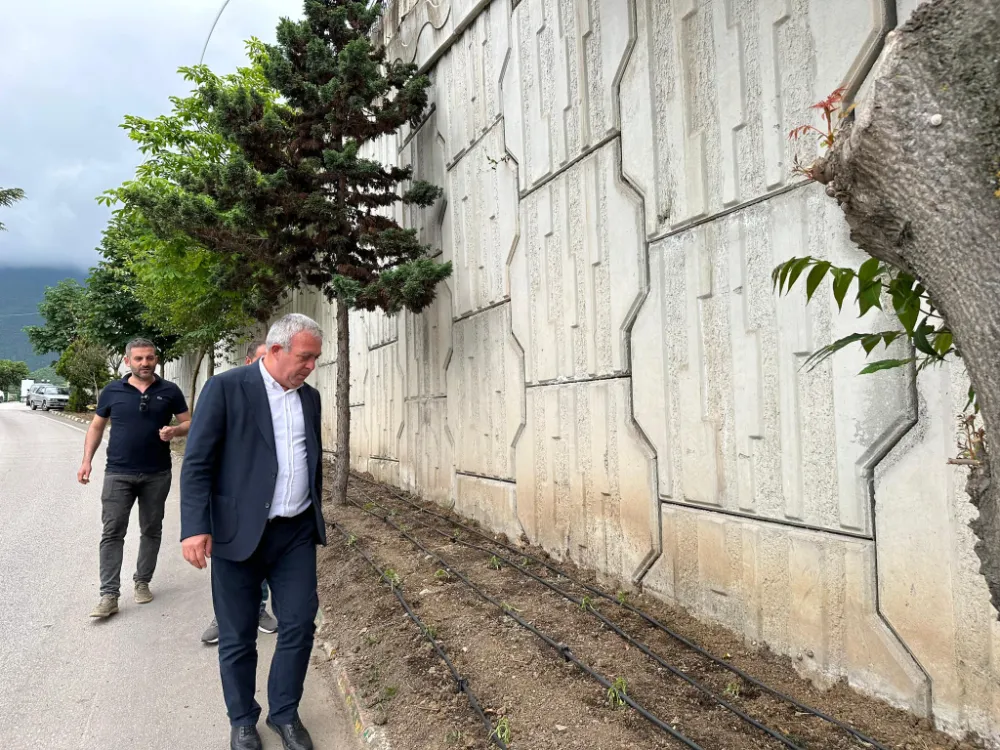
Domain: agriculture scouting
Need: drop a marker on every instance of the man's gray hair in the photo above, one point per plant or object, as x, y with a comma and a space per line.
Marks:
138, 344
285, 328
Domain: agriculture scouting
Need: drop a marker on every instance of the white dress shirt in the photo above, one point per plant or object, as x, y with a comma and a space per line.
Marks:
291, 488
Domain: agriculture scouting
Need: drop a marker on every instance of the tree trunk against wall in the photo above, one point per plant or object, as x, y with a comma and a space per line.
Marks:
194, 379
915, 174
211, 362
342, 461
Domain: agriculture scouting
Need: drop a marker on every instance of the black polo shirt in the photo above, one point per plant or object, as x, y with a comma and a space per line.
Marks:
136, 418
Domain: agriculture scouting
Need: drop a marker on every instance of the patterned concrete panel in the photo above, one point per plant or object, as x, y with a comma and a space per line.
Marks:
805, 594
426, 460
424, 152
483, 210
426, 464
384, 402
578, 273
713, 88
467, 90
485, 392
930, 586
420, 30
724, 397
559, 86
583, 483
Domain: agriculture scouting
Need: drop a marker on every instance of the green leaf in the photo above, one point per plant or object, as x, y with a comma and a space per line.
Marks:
868, 271
890, 336
797, 268
884, 364
842, 278
785, 270
920, 339
868, 343
943, 342
869, 296
815, 278
973, 401
821, 355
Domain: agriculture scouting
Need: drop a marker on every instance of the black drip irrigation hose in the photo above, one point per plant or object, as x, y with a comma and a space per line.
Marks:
860, 736
461, 683
586, 606
561, 648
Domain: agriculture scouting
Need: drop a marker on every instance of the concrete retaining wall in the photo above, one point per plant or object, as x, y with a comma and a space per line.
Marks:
608, 370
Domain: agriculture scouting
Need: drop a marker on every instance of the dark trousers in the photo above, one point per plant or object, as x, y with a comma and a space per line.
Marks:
286, 559
117, 498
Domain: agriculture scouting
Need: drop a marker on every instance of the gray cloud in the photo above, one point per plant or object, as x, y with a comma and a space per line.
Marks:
70, 72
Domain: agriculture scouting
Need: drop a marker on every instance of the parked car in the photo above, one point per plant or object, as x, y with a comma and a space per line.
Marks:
47, 396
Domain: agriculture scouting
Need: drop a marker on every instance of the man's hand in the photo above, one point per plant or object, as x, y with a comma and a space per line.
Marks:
197, 549
83, 475
167, 434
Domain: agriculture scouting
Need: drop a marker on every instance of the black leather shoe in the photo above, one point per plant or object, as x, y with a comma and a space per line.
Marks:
245, 738
293, 736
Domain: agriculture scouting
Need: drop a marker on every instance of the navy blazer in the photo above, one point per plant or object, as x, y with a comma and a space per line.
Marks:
230, 465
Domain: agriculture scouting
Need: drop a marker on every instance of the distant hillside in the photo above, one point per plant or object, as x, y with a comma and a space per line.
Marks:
21, 290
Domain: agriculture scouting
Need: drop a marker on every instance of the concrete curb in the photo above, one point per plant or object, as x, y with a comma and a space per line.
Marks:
70, 417
365, 728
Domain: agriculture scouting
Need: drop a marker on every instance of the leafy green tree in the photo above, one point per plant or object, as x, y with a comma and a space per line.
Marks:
195, 297
8, 197
296, 196
85, 365
64, 308
11, 374
116, 314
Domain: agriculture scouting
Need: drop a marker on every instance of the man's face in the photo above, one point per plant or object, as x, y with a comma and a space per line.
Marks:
142, 362
292, 367
258, 353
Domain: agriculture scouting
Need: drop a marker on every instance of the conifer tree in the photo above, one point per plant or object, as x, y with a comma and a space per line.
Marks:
297, 194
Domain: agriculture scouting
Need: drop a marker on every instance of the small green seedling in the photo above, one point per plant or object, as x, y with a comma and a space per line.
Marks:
502, 730
622, 597
389, 693
369, 506
454, 737
496, 563
352, 540
586, 604
431, 632
392, 578
509, 607
732, 690
617, 693
441, 574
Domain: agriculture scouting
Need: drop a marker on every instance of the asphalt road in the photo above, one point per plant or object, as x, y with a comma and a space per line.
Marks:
141, 680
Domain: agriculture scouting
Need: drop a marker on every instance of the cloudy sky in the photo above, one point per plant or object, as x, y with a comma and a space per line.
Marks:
69, 72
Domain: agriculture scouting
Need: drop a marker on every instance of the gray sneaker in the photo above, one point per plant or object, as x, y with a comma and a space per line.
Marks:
142, 593
106, 607
266, 623
211, 634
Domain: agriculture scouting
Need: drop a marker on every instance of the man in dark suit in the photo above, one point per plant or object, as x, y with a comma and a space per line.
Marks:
251, 497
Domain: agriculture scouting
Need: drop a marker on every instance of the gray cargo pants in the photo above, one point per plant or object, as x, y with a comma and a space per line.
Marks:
117, 498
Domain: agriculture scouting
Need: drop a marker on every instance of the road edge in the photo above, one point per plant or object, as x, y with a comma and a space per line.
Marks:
365, 729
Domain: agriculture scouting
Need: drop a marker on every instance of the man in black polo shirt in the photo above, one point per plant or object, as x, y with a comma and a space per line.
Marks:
140, 407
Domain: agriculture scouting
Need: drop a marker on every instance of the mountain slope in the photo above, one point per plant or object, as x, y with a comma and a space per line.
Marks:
21, 289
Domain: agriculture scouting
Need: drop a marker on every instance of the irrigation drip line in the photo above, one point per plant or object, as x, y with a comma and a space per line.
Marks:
860, 736
586, 606
560, 648
461, 683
